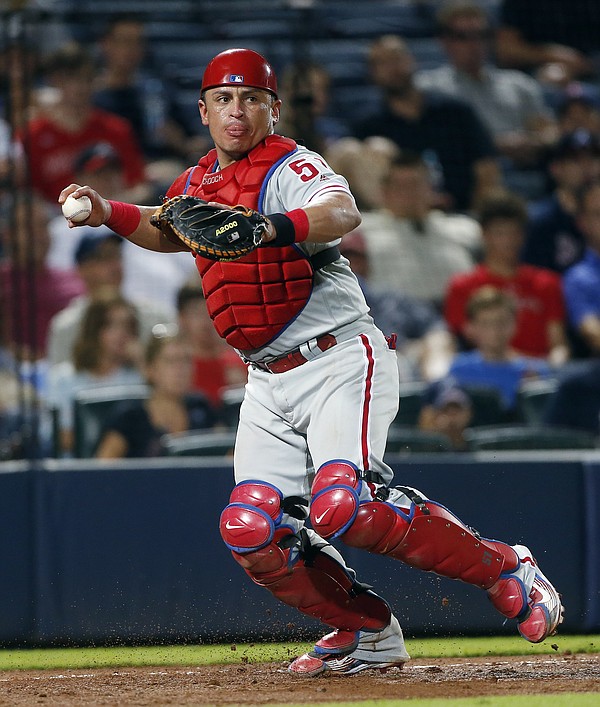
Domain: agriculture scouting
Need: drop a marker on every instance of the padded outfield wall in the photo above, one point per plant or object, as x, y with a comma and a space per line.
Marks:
131, 552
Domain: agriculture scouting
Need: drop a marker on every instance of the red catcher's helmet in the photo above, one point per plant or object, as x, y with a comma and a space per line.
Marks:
239, 67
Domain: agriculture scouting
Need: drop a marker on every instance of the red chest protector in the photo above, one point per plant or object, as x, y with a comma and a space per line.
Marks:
250, 300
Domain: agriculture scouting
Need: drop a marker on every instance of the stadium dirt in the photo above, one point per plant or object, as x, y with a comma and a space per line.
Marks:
269, 683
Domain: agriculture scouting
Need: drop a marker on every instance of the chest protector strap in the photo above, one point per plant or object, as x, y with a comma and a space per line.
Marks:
252, 299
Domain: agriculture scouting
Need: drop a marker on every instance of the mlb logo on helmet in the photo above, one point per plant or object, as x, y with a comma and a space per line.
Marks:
236, 78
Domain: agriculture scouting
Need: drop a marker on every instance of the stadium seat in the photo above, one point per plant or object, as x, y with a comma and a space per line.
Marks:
407, 440
93, 407
528, 437
201, 443
411, 395
231, 401
487, 406
532, 399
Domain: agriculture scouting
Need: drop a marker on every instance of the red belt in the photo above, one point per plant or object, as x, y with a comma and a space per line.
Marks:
295, 358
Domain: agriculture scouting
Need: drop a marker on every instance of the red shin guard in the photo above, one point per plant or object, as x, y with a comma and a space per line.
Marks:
297, 573
430, 538
321, 589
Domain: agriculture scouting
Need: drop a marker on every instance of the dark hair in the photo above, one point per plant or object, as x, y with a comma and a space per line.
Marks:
188, 293
489, 297
156, 344
70, 58
86, 349
406, 159
502, 207
450, 11
126, 18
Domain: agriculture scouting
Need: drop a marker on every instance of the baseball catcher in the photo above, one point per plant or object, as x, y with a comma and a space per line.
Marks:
323, 383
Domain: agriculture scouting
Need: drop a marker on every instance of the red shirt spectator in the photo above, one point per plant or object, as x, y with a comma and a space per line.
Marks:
53, 149
539, 300
67, 122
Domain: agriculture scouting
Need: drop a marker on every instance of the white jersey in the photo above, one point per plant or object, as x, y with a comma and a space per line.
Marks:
337, 304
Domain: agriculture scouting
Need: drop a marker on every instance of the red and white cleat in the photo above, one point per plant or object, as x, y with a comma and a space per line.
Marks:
347, 653
526, 594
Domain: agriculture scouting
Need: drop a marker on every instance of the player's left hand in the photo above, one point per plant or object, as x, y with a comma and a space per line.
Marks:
210, 229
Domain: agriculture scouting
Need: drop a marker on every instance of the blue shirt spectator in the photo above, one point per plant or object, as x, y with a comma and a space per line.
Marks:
582, 288
470, 368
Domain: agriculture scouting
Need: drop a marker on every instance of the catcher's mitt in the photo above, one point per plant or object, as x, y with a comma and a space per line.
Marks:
210, 231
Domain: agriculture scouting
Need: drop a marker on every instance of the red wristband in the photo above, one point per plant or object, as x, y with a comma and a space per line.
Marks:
124, 218
301, 225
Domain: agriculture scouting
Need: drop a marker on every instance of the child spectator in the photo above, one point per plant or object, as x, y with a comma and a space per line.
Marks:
136, 429
491, 322
540, 329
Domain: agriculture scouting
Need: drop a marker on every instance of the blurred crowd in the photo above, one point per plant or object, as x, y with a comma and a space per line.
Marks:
479, 184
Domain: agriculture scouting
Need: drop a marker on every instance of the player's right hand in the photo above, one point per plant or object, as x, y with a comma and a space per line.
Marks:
101, 209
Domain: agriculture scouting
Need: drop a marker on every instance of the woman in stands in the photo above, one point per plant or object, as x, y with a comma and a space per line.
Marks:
105, 353
136, 428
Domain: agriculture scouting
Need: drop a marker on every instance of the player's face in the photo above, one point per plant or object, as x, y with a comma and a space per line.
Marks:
238, 118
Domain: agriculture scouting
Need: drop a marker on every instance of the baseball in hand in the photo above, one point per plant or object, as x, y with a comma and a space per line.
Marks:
77, 210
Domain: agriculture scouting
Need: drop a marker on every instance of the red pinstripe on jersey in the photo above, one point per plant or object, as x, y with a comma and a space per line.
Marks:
366, 405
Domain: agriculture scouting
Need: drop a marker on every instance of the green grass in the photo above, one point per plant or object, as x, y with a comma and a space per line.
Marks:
570, 699
196, 655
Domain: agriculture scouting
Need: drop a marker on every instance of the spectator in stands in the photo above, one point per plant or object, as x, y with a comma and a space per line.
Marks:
576, 401
540, 330
413, 247
423, 344
136, 429
106, 352
127, 86
557, 36
554, 239
31, 292
305, 88
582, 281
491, 324
447, 409
64, 127
99, 259
578, 108
215, 365
452, 139
145, 275
510, 103
363, 163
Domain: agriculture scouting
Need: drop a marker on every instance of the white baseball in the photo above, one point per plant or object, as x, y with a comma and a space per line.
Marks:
77, 210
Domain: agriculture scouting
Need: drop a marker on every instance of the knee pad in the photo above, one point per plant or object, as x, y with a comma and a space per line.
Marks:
251, 527
299, 570
336, 493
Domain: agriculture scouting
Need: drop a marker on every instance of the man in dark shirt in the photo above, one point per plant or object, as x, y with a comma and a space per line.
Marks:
554, 239
540, 32
446, 131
